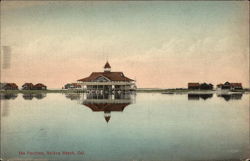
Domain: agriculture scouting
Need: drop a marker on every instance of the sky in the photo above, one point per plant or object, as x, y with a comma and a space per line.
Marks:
160, 44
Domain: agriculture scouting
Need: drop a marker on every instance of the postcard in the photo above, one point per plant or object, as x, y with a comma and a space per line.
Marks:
125, 81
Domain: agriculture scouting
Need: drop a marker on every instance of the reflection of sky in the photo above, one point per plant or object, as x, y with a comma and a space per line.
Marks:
169, 42
156, 127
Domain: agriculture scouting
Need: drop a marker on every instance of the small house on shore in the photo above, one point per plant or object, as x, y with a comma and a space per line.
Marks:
27, 86
10, 86
39, 86
193, 86
230, 86
236, 86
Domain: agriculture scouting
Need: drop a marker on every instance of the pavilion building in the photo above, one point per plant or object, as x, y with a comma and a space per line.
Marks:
107, 81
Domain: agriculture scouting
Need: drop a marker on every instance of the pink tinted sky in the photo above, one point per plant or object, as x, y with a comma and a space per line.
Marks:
160, 44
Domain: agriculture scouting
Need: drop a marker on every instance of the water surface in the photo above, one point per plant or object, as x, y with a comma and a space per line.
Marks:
145, 126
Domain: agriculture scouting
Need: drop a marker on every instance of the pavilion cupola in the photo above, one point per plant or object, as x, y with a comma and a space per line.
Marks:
107, 67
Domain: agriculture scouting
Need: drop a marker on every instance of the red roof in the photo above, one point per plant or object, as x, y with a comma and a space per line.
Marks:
107, 106
113, 76
13, 85
236, 84
27, 84
39, 85
193, 84
107, 65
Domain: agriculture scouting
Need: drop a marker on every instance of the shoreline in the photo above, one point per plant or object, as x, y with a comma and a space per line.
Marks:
140, 90
188, 91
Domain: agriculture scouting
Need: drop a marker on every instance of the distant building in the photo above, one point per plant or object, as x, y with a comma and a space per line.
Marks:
205, 86
40, 86
226, 85
72, 86
10, 86
202, 86
27, 86
236, 86
107, 81
193, 86
230, 86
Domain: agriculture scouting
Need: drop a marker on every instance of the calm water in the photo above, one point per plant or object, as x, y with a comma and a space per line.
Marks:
145, 126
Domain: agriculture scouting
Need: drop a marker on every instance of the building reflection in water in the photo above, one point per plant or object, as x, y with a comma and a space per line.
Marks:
199, 96
228, 97
39, 96
8, 96
73, 96
5, 104
108, 103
